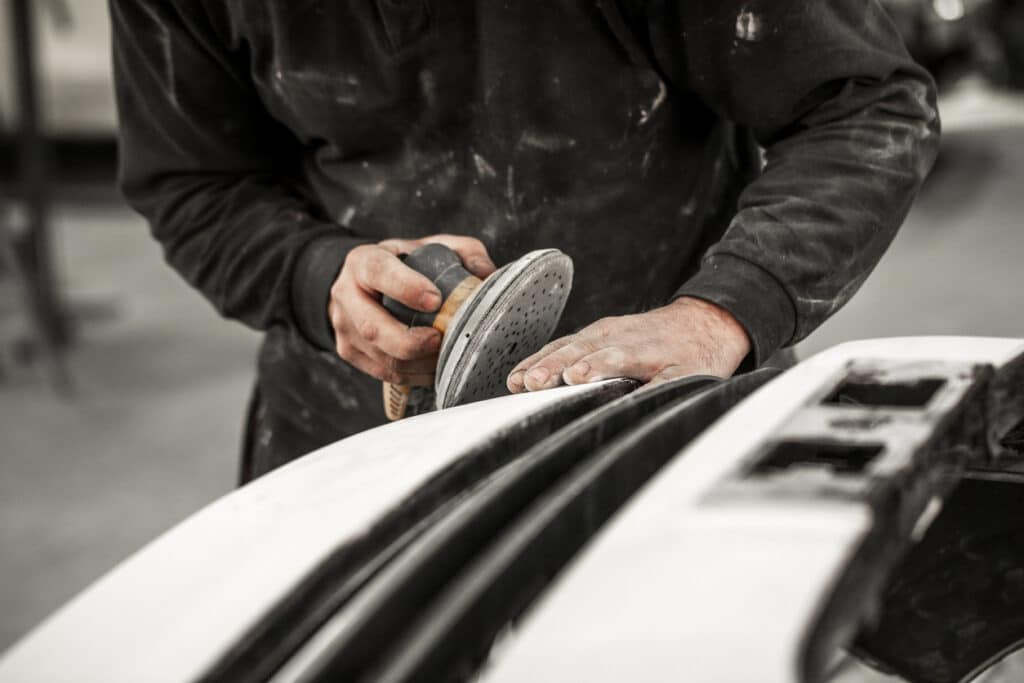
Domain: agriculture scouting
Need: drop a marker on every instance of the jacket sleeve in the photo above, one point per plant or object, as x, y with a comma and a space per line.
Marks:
216, 177
850, 130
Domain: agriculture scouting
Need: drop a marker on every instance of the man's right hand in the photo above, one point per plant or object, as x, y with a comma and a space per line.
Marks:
370, 338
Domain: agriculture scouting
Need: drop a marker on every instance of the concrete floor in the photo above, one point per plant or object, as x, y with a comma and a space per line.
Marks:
153, 431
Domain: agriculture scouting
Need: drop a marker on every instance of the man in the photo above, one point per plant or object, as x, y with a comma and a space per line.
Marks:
286, 152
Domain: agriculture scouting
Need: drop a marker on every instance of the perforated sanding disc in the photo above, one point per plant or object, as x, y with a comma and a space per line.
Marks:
510, 316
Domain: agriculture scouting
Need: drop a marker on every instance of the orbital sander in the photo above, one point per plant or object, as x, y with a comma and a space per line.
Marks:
486, 326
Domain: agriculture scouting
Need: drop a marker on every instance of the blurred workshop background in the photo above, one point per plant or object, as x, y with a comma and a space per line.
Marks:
122, 392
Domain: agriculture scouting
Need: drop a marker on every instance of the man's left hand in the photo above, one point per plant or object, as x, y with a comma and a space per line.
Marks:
686, 337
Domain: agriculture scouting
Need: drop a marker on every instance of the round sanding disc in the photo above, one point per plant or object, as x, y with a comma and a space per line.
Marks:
510, 316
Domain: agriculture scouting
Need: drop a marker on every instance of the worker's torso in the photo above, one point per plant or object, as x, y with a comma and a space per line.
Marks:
526, 124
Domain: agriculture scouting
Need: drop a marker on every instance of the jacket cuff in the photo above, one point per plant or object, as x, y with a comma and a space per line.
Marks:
315, 271
753, 296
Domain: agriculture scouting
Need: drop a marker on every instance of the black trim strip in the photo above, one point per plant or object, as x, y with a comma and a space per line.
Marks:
453, 638
261, 652
403, 625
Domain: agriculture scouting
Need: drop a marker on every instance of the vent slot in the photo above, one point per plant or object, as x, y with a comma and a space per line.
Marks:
1014, 439
915, 394
841, 458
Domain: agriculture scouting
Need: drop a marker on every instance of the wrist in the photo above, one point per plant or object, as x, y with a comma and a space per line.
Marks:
729, 336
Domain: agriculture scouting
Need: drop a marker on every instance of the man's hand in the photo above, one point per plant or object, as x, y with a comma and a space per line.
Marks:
369, 337
687, 337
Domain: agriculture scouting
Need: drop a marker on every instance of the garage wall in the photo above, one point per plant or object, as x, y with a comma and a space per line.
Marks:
74, 59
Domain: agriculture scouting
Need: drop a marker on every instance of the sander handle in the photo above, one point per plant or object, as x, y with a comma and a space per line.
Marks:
445, 270
442, 267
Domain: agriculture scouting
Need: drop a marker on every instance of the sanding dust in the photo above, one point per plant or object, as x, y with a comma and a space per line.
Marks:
748, 26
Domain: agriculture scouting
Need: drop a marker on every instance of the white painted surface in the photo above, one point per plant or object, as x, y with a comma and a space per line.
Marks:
636, 605
673, 589
852, 670
168, 612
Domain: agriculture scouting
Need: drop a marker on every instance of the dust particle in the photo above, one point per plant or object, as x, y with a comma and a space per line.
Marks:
748, 26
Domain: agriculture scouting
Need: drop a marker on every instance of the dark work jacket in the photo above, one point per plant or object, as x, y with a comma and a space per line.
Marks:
263, 139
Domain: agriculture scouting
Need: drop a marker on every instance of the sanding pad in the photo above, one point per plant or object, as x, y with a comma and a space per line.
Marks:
509, 317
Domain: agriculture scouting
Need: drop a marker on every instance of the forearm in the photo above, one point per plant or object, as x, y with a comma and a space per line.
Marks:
831, 198
850, 129
215, 176
254, 249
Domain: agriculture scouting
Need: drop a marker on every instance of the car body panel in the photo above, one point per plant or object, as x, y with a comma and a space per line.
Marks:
741, 559
693, 582
179, 605
433, 612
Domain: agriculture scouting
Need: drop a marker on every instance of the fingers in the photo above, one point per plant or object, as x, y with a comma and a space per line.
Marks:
610, 362
609, 348
415, 373
361, 361
471, 250
364, 356
367, 336
547, 372
677, 340
395, 373
377, 270
389, 370
409, 373
516, 381
399, 246
606, 364
375, 326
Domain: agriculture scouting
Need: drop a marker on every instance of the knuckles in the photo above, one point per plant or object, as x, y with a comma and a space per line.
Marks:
339, 288
615, 358
368, 331
468, 247
603, 328
580, 347
344, 348
411, 293
371, 269
473, 245
364, 263
411, 347
355, 255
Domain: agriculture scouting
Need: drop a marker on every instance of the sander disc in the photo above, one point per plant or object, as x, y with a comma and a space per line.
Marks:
510, 316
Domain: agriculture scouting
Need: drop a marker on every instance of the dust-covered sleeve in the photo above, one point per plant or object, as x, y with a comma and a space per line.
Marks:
216, 177
850, 129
